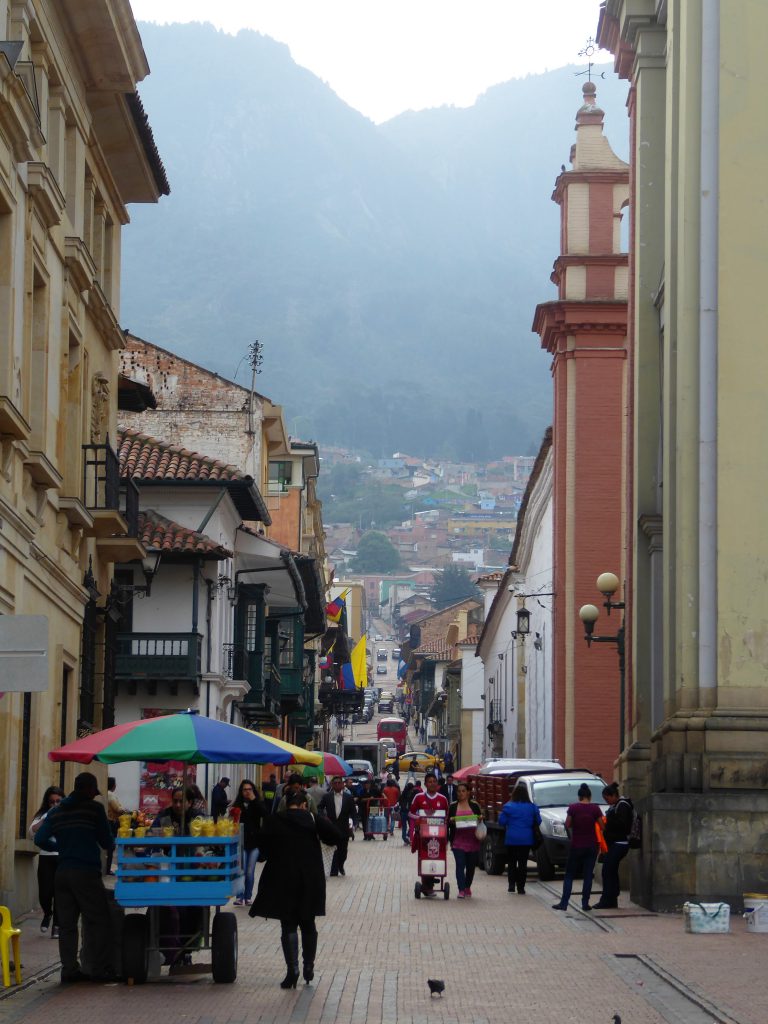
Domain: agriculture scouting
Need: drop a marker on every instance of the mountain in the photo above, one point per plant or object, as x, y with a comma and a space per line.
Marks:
390, 272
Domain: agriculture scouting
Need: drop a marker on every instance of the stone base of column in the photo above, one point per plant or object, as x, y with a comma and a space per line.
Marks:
700, 846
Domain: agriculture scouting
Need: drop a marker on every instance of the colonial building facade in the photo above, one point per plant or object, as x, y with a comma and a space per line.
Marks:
75, 149
697, 747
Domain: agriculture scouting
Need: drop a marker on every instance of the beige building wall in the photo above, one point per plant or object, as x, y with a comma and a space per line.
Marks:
699, 757
73, 153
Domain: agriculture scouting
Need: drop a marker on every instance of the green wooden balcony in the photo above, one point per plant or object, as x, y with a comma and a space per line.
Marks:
159, 656
292, 689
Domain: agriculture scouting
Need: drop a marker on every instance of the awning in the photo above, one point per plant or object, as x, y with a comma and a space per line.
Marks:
258, 560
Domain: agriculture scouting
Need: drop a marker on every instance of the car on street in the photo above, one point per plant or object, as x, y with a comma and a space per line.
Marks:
381, 670
426, 762
361, 770
385, 707
378, 637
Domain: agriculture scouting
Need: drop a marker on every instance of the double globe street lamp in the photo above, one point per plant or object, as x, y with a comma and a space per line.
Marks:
608, 583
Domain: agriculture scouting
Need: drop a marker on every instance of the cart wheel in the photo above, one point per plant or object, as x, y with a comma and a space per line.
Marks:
385, 837
135, 949
224, 948
417, 890
447, 891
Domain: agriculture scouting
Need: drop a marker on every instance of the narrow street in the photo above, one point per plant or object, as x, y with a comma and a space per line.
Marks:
503, 958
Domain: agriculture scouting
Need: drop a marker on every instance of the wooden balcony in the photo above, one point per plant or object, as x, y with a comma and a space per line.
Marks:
159, 656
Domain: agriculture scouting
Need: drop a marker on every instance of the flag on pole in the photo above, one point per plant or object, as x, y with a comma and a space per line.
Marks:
347, 679
326, 662
402, 668
359, 661
334, 609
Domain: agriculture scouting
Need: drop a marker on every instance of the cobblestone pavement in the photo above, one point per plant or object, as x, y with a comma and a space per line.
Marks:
504, 958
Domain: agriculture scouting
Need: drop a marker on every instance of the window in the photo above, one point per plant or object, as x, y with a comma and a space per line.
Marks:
280, 476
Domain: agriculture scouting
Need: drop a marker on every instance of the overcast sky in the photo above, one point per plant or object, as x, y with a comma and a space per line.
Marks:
386, 56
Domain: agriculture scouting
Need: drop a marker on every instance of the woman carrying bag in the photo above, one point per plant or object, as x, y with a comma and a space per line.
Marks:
465, 832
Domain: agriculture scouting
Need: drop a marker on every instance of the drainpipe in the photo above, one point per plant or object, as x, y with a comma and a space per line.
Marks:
708, 340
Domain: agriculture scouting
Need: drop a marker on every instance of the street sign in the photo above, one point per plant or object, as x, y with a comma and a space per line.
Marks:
23, 653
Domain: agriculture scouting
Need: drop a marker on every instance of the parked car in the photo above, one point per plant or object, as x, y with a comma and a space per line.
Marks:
426, 762
361, 770
381, 670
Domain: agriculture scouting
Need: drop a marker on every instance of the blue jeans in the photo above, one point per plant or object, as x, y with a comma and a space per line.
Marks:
583, 859
404, 825
250, 859
466, 862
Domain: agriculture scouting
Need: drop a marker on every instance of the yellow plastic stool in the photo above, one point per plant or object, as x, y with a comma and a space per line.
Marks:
9, 936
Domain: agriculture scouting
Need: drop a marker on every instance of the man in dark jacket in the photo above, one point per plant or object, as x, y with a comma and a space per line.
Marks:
339, 807
618, 824
78, 830
449, 789
219, 798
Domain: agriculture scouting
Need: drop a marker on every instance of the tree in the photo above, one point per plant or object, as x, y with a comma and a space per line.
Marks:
375, 553
451, 585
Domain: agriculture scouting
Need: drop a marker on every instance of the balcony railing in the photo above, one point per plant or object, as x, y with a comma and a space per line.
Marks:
264, 692
101, 477
291, 688
130, 508
176, 656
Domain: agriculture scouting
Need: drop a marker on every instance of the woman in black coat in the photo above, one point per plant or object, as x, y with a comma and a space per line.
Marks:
292, 884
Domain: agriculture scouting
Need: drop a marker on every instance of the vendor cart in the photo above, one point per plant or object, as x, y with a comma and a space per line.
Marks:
167, 875
182, 881
376, 822
431, 841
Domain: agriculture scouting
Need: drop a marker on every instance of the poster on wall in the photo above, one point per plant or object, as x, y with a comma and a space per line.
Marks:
158, 778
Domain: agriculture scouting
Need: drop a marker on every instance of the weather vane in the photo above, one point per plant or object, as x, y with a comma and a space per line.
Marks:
589, 51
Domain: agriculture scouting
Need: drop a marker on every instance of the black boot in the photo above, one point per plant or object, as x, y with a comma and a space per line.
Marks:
290, 944
308, 950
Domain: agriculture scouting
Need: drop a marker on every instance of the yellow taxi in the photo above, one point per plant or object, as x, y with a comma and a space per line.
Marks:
424, 762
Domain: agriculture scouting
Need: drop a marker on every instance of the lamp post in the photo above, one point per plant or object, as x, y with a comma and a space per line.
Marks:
608, 583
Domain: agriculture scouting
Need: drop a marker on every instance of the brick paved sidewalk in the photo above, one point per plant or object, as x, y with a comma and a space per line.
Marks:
504, 958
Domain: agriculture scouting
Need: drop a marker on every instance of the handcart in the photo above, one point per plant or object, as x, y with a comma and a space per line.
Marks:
180, 879
168, 875
376, 823
432, 851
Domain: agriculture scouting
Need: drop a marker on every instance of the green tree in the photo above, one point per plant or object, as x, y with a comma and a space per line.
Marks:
375, 553
451, 585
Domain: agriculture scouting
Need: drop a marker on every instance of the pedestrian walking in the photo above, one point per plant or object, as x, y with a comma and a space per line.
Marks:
520, 818
268, 791
292, 884
47, 862
391, 794
405, 803
426, 805
339, 807
449, 763
316, 790
449, 789
252, 814
618, 825
219, 798
295, 784
78, 829
580, 821
464, 816
114, 810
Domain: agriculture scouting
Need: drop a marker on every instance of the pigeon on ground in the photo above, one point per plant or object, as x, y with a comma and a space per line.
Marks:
437, 987
616, 1019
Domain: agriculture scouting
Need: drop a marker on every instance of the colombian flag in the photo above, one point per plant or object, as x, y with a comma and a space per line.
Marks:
359, 659
347, 680
336, 607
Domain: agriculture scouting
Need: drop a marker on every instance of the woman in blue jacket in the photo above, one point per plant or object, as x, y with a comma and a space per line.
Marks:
518, 816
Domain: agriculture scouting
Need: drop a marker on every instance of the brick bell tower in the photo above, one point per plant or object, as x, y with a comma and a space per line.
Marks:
585, 332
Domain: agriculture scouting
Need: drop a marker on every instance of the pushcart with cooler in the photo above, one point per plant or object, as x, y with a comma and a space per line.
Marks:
376, 824
432, 851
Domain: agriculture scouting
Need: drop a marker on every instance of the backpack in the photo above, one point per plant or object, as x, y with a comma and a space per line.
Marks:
635, 834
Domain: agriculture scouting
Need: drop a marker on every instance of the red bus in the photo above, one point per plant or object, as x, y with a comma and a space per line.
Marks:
393, 729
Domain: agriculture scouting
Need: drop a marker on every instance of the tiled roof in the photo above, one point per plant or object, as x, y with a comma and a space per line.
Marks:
435, 650
145, 458
470, 640
160, 534
491, 577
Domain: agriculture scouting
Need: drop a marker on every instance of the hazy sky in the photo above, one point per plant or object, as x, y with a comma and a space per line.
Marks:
386, 56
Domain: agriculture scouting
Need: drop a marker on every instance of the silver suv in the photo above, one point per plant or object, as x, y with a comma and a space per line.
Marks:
552, 793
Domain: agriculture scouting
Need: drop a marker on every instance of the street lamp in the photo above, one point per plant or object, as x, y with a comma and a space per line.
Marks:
608, 583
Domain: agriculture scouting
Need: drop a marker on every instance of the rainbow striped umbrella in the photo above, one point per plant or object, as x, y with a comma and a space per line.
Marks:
187, 737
